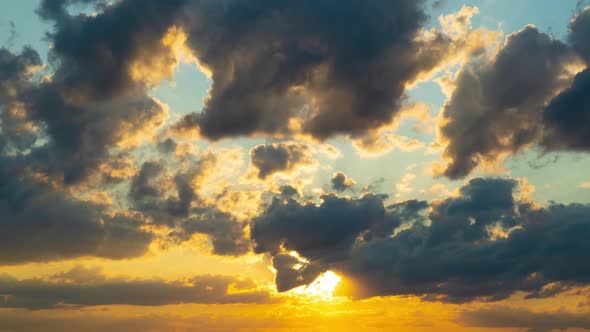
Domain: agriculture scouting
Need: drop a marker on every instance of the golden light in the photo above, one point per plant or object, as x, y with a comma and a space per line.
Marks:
322, 288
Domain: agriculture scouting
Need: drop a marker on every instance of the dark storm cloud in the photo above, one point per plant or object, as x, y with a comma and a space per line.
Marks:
483, 244
517, 318
340, 182
279, 158
341, 66
94, 289
496, 106
522, 98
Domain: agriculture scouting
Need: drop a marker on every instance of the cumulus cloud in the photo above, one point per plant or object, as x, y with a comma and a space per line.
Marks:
523, 97
274, 75
41, 221
42, 224
170, 196
484, 243
89, 287
341, 182
323, 233
275, 158
495, 106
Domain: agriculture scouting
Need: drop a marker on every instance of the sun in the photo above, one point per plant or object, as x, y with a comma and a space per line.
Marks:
322, 288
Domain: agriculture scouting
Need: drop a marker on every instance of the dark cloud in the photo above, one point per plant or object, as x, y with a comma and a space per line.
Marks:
289, 191
518, 318
341, 182
479, 248
150, 195
95, 100
315, 230
322, 234
486, 243
41, 221
85, 109
81, 136
83, 287
227, 235
271, 61
16, 70
172, 200
567, 118
579, 29
279, 158
523, 98
496, 107
114, 53
322, 62
42, 224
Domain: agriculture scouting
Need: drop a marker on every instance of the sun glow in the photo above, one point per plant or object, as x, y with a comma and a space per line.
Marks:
322, 288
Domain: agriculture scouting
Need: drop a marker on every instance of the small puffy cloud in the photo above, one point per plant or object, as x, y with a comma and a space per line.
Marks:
284, 158
341, 182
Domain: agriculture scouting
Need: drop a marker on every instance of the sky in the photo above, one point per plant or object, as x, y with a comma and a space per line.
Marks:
282, 165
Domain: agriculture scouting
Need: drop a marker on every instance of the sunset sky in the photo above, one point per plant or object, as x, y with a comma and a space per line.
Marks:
294, 165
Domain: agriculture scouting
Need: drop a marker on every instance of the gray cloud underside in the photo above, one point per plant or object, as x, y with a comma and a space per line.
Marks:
522, 98
84, 287
506, 317
484, 244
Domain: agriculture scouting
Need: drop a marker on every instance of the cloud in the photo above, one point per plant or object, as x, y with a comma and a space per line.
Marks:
119, 51
403, 187
486, 242
228, 236
320, 234
322, 78
275, 158
566, 118
518, 318
494, 113
491, 111
341, 182
169, 194
84, 287
41, 220
41, 224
